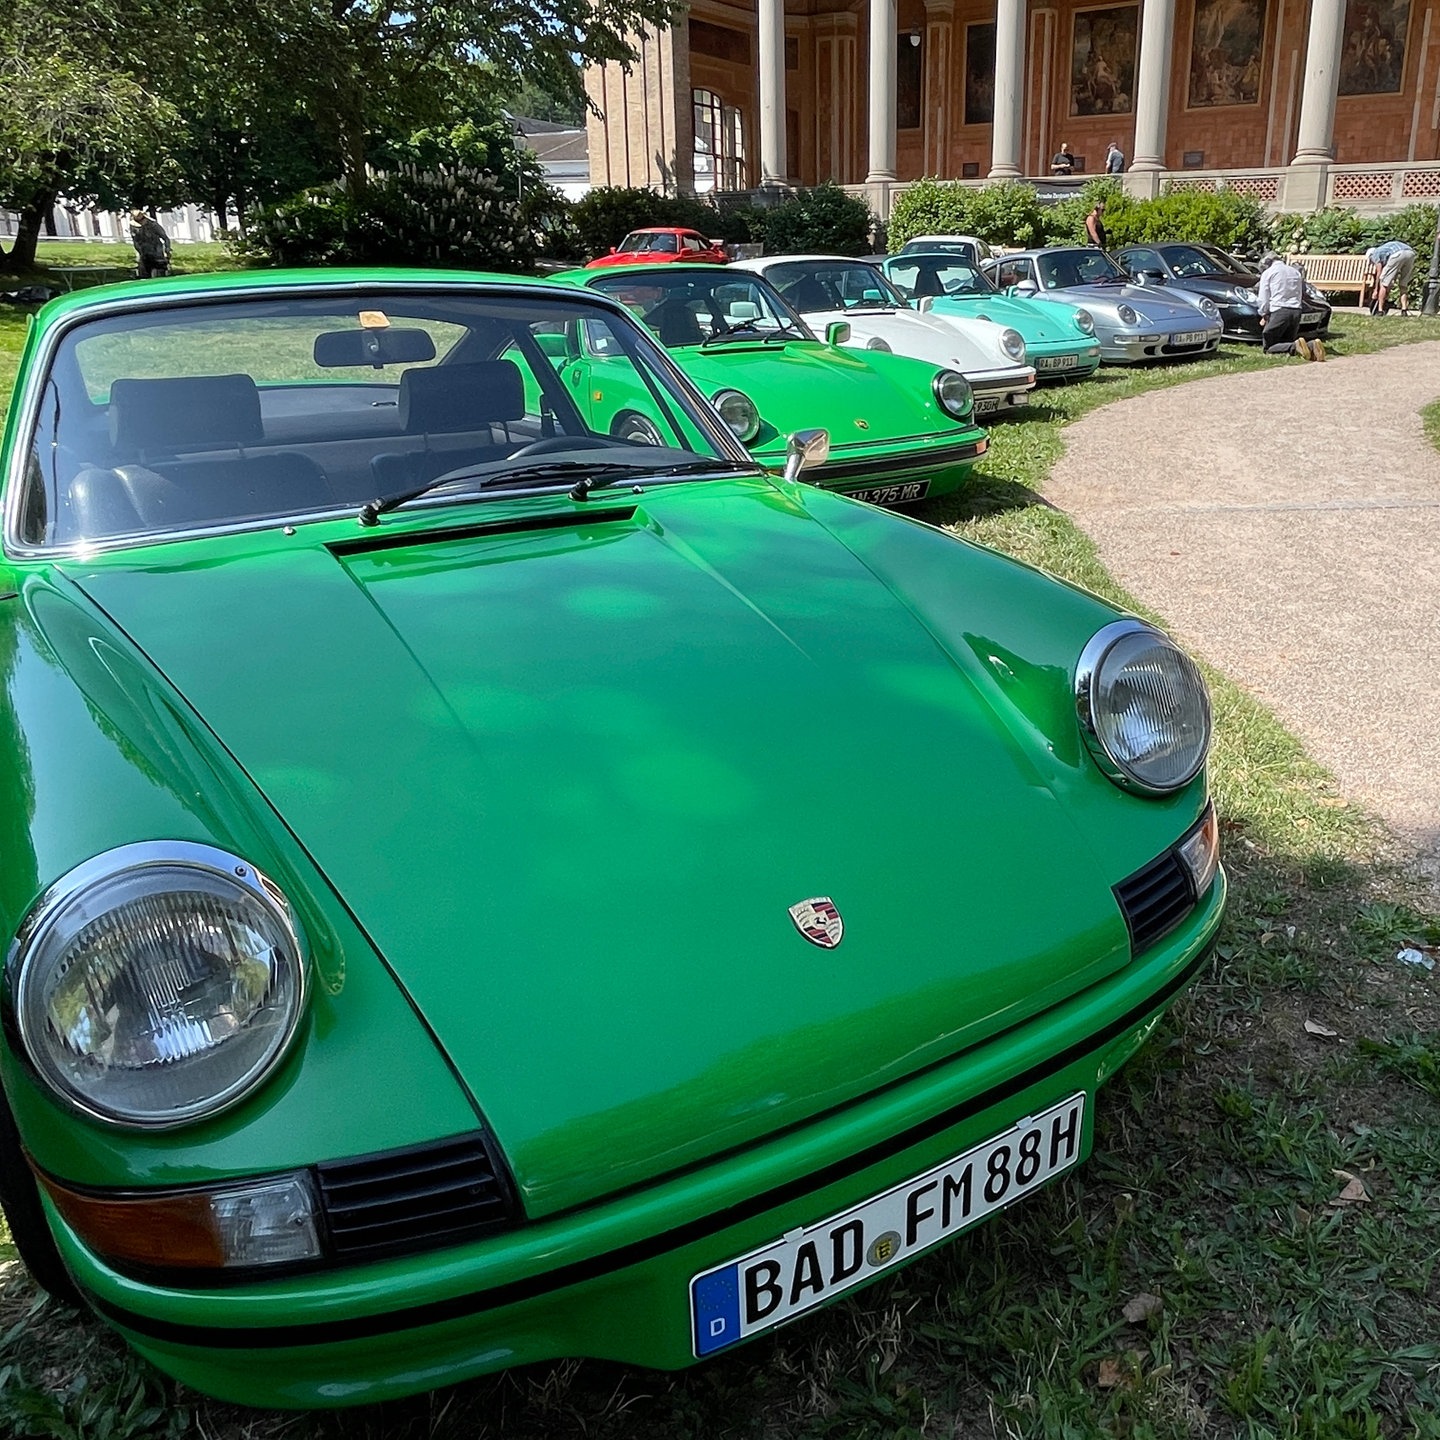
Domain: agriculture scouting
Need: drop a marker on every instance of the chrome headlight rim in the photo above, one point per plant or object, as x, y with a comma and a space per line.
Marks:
110, 868
1209, 308
1128, 315
957, 400
1085, 321
1088, 671
1012, 342
747, 431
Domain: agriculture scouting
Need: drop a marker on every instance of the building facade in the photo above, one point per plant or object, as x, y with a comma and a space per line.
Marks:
1300, 102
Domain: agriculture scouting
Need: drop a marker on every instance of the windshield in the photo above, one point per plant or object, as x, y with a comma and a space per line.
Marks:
694, 306
935, 275
1187, 262
969, 249
1061, 269
642, 242
811, 285
177, 418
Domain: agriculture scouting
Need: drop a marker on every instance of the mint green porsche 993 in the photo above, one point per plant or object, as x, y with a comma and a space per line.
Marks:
482, 889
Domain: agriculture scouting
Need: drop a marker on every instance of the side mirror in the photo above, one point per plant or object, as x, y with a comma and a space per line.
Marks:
1152, 277
1025, 288
807, 448
837, 332
613, 250
924, 302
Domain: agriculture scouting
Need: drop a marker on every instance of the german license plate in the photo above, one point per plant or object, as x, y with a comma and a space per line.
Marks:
988, 404
893, 494
1057, 362
1190, 337
1312, 317
812, 1265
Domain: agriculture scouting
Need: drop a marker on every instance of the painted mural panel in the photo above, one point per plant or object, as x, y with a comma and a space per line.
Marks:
1225, 49
1102, 61
1373, 60
980, 74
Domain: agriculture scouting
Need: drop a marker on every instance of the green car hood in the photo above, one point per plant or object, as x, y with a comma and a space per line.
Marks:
1037, 321
802, 383
570, 767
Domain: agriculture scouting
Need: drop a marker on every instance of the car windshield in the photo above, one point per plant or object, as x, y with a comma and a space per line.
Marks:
968, 249
684, 306
1227, 262
811, 285
644, 242
223, 413
1062, 269
1188, 263
937, 275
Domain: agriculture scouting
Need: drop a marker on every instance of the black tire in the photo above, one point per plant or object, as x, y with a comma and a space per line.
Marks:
636, 429
20, 1200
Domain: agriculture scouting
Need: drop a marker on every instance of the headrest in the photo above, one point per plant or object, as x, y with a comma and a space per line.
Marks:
192, 412
444, 399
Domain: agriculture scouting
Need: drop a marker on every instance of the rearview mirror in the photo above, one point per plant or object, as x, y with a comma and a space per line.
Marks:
807, 448
375, 347
837, 332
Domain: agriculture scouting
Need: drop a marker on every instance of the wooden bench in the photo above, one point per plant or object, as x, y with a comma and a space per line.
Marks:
1336, 272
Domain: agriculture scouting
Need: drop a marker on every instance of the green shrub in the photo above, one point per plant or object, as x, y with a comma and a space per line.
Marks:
413, 217
1332, 231
1004, 214
1232, 221
1415, 225
824, 219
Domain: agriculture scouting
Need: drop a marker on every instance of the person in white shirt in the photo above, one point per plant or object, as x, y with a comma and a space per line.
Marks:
1281, 294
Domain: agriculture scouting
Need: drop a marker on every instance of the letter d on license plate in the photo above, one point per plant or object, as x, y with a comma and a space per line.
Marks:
807, 1267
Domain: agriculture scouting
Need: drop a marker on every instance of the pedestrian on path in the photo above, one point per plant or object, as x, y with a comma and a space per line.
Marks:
1280, 296
1392, 265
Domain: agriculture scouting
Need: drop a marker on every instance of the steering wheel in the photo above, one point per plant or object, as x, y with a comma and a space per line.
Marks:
552, 443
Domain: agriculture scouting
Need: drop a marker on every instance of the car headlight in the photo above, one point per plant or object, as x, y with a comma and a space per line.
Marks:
158, 984
876, 343
952, 390
1012, 342
1143, 708
1128, 315
1244, 296
1209, 307
1086, 321
739, 413
1312, 295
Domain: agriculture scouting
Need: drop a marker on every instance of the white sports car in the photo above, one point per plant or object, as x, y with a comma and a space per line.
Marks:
830, 288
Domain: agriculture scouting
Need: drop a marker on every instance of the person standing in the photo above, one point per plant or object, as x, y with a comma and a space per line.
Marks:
1114, 159
1095, 226
1392, 265
152, 245
1062, 162
1279, 298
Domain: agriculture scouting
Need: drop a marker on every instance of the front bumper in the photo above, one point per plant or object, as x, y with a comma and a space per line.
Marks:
1243, 322
996, 390
938, 466
1064, 360
611, 1281
1131, 347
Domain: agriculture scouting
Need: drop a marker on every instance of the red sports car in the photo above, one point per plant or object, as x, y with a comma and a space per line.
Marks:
659, 243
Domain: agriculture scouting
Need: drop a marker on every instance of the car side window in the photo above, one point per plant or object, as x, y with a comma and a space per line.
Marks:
689, 242
1137, 260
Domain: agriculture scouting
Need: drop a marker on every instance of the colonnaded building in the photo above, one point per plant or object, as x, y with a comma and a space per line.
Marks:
1298, 102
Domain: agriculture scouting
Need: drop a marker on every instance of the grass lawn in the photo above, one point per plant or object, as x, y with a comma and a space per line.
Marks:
1265, 1171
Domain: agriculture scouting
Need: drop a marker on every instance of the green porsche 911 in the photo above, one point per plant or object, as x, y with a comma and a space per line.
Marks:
481, 888
900, 429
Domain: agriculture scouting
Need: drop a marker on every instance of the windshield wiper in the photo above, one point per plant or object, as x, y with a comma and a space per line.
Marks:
739, 327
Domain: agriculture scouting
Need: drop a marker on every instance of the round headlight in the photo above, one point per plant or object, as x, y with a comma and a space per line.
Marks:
158, 983
876, 343
1209, 306
739, 413
952, 390
1127, 315
1086, 321
1143, 708
1012, 342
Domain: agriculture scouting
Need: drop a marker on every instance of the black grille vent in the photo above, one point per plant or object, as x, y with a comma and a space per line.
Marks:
407, 1200
1155, 900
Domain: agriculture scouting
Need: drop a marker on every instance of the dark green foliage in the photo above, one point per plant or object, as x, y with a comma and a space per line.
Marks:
453, 218
1337, 231
1008, 214
824, 220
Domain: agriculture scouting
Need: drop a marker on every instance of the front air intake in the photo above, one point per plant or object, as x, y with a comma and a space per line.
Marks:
413, 1199
1155, 900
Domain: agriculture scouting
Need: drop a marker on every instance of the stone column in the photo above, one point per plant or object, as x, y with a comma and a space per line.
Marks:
884, 23
1305, 184
773, 167
1152, 98
935, 95
1009, 89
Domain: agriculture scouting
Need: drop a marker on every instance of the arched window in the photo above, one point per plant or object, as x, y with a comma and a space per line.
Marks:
719, 144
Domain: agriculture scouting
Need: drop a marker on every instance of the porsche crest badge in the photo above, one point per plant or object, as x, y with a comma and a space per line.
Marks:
819, 921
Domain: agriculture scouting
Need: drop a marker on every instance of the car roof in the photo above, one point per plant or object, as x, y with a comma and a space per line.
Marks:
666, 270
808, 259
663, 230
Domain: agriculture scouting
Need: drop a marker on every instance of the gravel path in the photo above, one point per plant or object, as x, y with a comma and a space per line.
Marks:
1287, 525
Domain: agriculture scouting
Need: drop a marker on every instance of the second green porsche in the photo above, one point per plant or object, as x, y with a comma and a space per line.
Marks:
900, 429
